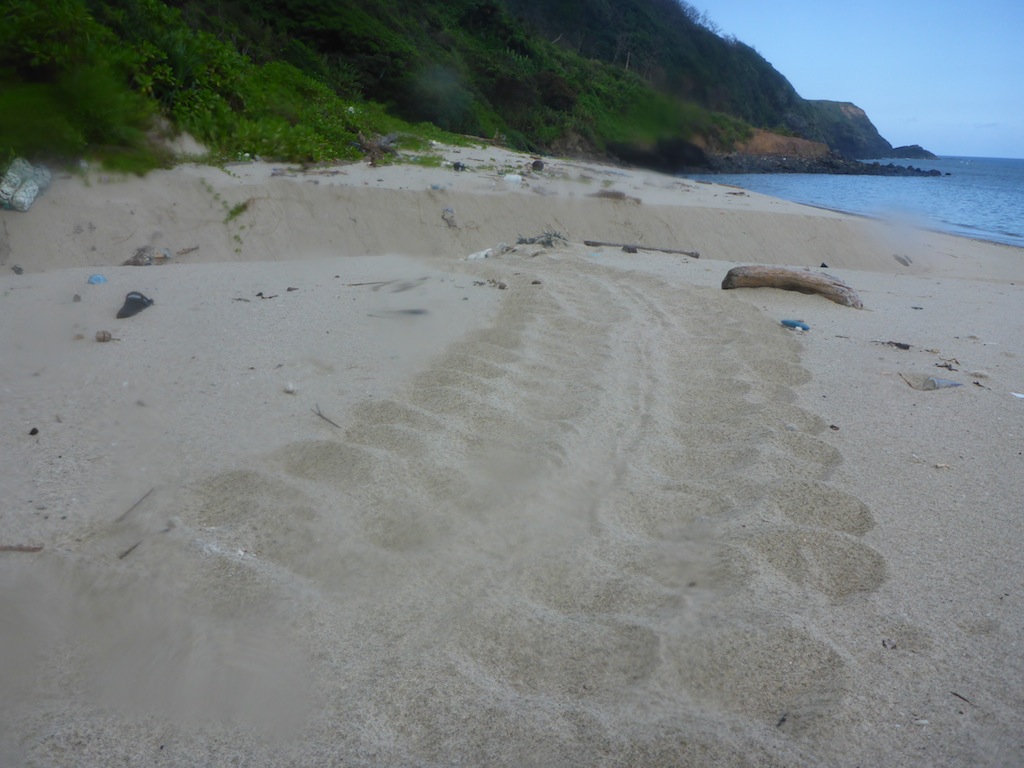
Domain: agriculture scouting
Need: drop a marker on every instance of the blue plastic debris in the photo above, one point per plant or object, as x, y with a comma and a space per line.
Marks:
96, 279
796, 324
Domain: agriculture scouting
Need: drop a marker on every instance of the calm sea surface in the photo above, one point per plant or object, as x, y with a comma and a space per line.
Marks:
983, 197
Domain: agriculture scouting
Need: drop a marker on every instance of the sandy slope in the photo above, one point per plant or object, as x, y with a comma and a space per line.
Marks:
606, 515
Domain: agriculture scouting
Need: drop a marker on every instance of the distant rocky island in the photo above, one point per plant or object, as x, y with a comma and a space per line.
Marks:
912, 152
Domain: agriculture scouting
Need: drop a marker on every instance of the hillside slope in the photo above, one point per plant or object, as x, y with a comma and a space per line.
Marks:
306, 79
673, 47
547, 73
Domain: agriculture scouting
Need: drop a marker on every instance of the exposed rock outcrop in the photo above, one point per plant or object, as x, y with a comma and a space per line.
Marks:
764, 152
768, 143
832, 163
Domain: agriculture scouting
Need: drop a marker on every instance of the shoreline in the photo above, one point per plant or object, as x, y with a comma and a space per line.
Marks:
936, 227
350, 491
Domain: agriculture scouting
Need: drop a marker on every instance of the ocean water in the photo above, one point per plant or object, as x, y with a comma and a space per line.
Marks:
982, 197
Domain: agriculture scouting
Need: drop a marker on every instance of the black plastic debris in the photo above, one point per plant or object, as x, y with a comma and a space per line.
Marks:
134, 303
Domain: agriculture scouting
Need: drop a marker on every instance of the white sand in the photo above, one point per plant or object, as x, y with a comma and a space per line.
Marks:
607, 515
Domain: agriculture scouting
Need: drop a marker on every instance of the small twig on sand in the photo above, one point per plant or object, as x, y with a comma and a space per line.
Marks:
318, 413
962, 698
20, 548
123, 555
128, 551
133, 506
629, 248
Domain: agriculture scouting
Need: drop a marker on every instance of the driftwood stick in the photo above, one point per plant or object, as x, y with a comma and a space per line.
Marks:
20, 548
133, 547
320, 414
133, 506
128, 551
788, 279
633, 248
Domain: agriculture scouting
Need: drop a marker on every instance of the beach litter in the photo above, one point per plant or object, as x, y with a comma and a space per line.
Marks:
21, 183
932, 382
96, 280
134, 303
796, 325
549, 239
928, 383
146, 256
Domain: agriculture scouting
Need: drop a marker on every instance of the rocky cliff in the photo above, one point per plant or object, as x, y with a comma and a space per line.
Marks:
670, 45
846, 129
768, 143
767, 152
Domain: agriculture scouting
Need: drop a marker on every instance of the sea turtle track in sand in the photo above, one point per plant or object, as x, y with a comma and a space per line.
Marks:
571, 512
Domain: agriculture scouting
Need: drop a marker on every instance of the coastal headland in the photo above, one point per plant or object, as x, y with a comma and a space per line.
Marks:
766, 152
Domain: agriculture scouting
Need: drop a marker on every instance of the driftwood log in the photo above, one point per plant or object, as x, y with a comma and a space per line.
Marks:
629, 248
787, 279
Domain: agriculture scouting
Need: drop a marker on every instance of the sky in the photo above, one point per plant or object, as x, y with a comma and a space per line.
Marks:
945, 74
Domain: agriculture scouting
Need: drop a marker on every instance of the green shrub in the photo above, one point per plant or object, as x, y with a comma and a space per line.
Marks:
64, 88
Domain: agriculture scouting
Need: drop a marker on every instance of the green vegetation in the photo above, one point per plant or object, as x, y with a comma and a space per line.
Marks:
80, 78
313, 80
63, 86
237, 210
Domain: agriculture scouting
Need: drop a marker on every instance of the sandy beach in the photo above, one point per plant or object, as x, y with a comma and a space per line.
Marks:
372, 483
